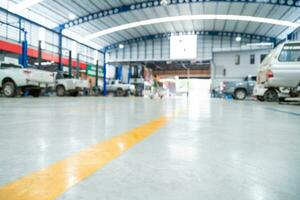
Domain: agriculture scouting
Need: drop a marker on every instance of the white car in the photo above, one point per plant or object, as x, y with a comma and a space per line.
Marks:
120, 89
280, 69
65, 86
15, 79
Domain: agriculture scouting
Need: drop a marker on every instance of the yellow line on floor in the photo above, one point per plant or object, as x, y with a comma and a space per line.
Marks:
49, 183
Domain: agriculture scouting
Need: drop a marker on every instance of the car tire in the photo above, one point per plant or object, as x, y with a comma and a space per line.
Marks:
74, 93
271, 95
294, 93
240, 94
119, 92
9, 89
35, 92
260, 98
60, 91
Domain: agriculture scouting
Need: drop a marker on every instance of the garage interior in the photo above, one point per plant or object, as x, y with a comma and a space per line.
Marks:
149, 99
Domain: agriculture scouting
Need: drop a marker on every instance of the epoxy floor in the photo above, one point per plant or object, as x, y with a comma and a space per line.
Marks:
208, 149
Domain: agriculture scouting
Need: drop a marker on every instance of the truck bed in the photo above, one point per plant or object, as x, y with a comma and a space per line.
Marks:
39, 76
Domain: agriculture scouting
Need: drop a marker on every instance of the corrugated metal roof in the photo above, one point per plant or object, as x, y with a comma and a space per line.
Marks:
58, 12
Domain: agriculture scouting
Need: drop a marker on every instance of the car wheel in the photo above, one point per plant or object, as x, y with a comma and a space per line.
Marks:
60, 91
240, 94
281, 100
271, 95
74, 94
119, 92
9, 89
294, 93
260, 98
35, 92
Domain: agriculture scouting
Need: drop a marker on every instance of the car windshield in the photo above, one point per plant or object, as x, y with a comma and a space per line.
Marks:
250, 78
290, 53
61, 76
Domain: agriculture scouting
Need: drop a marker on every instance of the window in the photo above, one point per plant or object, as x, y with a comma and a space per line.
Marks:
9, 65
290, 53
252, 59
253, 78
262, 57
250, 78
237, 59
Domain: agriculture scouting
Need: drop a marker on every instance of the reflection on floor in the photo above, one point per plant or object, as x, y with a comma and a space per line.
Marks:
208, 149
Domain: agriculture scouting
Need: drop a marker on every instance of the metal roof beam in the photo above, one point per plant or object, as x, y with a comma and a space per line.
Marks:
24, 5
156, 3
204, 33
40, 25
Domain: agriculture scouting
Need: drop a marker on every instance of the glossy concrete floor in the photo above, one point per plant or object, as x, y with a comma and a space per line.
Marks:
209, 149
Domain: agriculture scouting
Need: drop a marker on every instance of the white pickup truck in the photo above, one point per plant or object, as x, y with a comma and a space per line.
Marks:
14, 79
279, 70
118, 88
71, 86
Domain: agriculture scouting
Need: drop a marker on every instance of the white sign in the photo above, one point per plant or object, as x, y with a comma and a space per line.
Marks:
10, 60
183, 47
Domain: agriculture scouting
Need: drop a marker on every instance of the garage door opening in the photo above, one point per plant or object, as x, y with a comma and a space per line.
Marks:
196, 88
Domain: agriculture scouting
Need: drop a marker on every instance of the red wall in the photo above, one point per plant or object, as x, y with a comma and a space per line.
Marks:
16, 48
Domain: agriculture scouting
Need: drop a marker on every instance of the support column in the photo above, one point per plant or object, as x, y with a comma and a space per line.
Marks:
40, 55
60, 63
20, 39
78, 67
97, 77
24, 58
188, 82
70, 65
129, 73
119, 72
104, 74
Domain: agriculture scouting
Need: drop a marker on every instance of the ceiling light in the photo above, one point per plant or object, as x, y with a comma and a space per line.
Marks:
164, 2
24, 4
71, 16
238, 39
192, 17
121, 46
260, 44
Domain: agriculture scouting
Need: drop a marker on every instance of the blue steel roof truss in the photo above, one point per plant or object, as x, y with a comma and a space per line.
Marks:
155, 3
203, 33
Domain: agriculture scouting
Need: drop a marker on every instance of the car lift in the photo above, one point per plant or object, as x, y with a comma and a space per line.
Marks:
289, 100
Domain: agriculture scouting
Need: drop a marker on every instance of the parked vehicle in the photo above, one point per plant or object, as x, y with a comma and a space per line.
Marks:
291, 99
139, 85
14, 79
69, 86
118, 88
216, 93
280, 69
238, 89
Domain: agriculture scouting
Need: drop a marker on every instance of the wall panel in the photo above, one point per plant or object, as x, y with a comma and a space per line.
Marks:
159, 49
